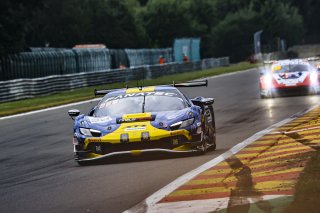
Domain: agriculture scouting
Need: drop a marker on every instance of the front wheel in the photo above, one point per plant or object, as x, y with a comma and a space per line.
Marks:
314, 91
266, 94
82, 163
209, 133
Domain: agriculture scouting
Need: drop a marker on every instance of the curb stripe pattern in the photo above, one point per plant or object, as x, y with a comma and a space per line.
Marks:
265, 166
269, 166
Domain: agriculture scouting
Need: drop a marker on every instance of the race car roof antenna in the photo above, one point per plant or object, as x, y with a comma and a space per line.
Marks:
142, 81
196, 83
139, 86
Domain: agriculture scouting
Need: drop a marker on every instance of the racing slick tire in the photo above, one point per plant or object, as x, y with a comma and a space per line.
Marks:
82, 163
269, 95
209, 133
314, 91
212, 131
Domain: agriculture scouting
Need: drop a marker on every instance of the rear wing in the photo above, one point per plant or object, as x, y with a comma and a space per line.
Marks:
199, 83
269, 62
313, 59
191, 84
101, 92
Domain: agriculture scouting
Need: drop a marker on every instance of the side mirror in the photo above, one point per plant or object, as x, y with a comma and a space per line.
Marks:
73, 113
201, 101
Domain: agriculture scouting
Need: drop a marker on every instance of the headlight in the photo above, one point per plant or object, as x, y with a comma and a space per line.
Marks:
182, 124
90, 132
314, 78
268, 80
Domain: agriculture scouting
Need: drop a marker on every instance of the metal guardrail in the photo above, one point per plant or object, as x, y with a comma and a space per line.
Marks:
60, 62
42, 62
141, 57
27, 88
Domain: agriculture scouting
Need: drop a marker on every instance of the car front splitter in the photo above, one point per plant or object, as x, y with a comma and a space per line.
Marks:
136, 153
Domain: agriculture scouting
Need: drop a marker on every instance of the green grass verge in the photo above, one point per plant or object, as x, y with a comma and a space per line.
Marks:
307, 189
41, 102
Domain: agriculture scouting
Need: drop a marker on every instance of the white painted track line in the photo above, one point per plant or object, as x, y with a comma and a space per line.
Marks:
48, 109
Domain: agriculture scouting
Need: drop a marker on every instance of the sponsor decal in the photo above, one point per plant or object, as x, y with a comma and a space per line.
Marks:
172, 116
176, 133
94, 140
175, 141
290, 84
141, 94
135, 128
99, 119
290, 80
129, 120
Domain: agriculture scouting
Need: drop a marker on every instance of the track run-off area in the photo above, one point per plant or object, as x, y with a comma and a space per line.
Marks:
38, 173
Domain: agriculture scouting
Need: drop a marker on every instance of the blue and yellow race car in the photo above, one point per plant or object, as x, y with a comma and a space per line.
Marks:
144, 119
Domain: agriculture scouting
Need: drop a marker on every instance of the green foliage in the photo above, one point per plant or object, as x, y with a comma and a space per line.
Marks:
166, 20
73, 22
281, 20
225, 26
309, 9
233, 36
59, 23
114, 23
13, 25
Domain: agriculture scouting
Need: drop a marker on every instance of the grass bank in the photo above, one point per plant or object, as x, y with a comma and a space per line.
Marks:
307, 190
41, 102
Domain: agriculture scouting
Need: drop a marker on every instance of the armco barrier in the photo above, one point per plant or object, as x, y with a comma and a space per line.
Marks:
27, 88
47, 63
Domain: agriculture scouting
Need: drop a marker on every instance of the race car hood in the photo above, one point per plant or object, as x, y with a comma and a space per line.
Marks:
162, 120
291, 77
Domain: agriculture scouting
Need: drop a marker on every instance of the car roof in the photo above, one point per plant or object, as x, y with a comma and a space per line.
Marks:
143, 89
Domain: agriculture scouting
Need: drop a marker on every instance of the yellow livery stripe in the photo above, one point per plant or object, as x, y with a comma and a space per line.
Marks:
137, 90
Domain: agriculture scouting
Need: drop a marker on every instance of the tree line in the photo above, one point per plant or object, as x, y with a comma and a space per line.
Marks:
225, 27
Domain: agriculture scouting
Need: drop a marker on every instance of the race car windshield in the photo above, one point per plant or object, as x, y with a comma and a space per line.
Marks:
292, 68
117, 106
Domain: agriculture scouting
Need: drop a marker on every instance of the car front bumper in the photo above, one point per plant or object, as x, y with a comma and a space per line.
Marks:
174, 144
290, 90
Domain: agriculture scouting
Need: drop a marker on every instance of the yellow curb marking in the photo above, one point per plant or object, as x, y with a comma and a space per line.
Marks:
261, 186
233, 178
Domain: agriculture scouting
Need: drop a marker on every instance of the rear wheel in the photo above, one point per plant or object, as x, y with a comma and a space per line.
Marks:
211, 133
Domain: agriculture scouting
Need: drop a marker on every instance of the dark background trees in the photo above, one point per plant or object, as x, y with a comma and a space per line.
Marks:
224, 26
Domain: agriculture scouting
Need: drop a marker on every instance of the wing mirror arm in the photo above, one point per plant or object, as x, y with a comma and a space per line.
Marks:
73, 113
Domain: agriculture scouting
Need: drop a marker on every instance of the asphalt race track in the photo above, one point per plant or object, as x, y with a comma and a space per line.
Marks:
38, 173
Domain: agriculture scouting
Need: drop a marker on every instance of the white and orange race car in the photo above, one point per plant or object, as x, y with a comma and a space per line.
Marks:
283, 77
